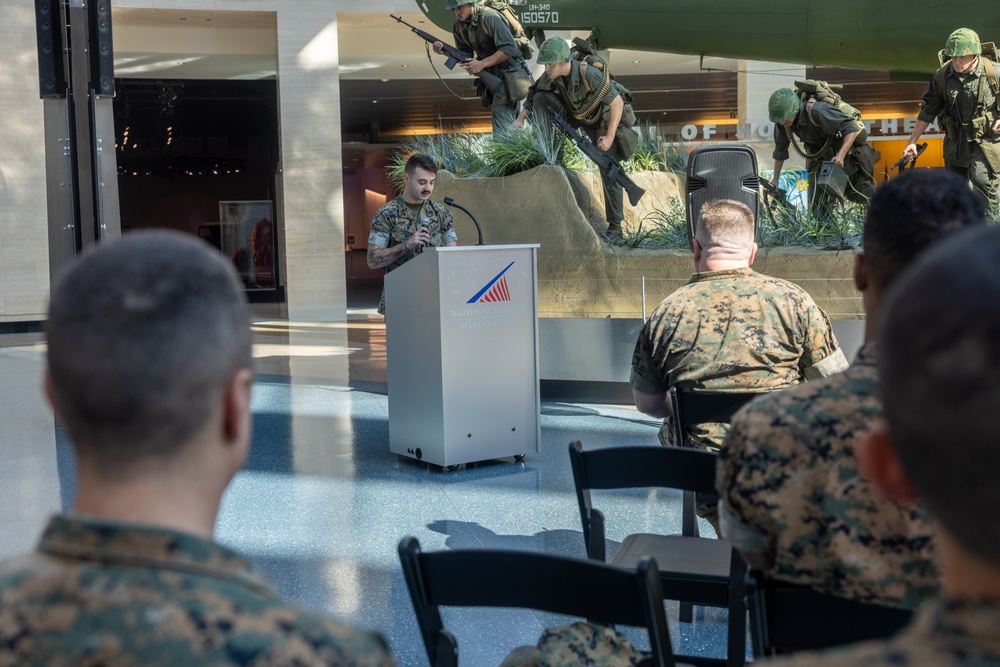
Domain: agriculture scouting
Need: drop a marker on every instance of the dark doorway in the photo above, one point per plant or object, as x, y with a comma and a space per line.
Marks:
184, 146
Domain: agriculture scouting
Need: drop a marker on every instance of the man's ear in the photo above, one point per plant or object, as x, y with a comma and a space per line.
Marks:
861, 276
879, 462
696, 247
237, 420
753, 254
50, 394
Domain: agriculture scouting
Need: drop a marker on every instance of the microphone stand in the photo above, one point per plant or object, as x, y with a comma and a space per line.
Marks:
451, 202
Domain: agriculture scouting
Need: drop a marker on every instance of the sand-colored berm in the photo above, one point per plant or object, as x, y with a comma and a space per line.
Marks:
580, 275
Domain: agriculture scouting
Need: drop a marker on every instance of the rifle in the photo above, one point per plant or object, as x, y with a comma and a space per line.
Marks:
779, 195
455, 55
903, 161
600, 158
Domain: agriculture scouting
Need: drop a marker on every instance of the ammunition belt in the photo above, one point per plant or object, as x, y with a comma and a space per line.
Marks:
591, 114
801, 151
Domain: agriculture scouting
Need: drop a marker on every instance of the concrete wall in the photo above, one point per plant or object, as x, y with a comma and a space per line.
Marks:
24, 250
581, 276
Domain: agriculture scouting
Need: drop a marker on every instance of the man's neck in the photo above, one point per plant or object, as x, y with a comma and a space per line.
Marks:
418, 202
707, 265
966, 575
154, 501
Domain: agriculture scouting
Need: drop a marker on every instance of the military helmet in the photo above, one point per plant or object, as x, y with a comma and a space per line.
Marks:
783, 104
451, 4
963, 42
553, 50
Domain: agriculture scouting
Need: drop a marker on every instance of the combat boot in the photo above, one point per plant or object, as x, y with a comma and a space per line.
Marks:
614, 232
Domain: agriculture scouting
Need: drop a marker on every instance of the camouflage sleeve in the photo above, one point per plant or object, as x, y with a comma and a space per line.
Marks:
780, 144
644, 377
821, 354
448, 227
381, 229
741, 489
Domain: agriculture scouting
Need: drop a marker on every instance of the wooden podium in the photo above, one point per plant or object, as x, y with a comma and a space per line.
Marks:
462, 347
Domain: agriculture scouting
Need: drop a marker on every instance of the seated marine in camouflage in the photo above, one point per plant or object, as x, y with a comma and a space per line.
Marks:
827, 133
149, 370
790, 494
939, 374
587, 96
729, 329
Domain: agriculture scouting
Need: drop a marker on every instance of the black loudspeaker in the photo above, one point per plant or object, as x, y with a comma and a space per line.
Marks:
48, 28
102, 56
721, 172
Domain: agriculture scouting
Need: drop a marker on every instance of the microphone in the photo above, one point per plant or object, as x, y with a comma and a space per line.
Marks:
451, 202
424, 223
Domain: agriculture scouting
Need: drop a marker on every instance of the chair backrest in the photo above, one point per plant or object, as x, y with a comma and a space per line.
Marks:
785, 618
492, 578
703, 407
636, 467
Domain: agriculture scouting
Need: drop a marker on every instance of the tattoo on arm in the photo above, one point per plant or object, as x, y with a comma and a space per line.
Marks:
379, 257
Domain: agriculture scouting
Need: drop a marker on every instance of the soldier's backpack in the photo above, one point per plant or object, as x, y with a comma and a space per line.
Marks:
502, 7
812, 91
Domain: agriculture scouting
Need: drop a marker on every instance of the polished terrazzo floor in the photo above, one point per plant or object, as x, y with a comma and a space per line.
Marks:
322, 503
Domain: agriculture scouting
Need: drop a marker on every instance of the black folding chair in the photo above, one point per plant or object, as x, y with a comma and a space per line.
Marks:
700, 407
785, 618
491, 578
692, 569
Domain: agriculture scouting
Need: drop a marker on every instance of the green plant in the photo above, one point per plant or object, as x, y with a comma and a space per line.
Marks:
510, 152
836, 227
659, 229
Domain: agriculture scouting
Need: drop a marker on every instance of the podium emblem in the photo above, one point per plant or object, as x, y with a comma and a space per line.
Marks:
495, 290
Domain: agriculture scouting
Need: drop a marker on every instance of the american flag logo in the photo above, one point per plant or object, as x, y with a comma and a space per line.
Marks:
495, 290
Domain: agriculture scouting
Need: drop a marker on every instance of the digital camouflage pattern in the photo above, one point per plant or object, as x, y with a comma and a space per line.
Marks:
394, 224
789, 487
577, 645
734, 330
98, 593
944, 633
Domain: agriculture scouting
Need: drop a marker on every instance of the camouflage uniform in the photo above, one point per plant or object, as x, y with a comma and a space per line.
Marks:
733, 330
570, 96
834, 124
578, 644
976, 159
101, 593
485, 33
944, 633
789, 488
394, 223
